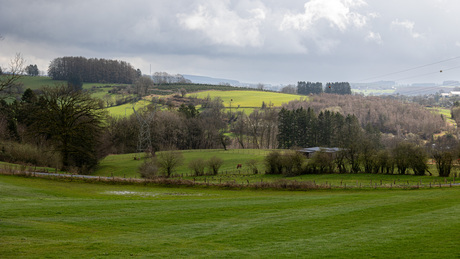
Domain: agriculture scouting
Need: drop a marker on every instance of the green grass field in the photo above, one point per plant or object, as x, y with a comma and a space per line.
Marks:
246, 99
444, 112
125, 166
36, 82
42, 218
126, 109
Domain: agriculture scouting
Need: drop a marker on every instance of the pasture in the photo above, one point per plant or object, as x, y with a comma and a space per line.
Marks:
124, 166
55, 219
248, 99
36, 82
126, 109
445, 113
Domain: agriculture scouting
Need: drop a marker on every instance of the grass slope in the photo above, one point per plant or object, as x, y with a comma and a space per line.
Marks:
126, 109
36, 82
251, 99
55, 219
125, 165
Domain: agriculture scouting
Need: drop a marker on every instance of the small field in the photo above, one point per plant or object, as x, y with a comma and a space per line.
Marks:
36, 82
125, 165
126, 109
445, 113
59, 219
248, 99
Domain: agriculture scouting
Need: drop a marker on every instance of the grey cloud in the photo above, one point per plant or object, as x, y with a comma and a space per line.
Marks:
249, 40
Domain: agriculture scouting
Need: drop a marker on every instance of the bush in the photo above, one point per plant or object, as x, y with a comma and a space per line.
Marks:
407, 155
149, 169
273, 163
292, 163
289, 163
168, 161
198, 166
418, 161
321, 162
29, 154
385, 163
443, 162
252, 164
214, 164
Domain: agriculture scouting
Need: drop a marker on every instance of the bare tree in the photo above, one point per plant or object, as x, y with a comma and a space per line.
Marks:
289, 89
182, 92
198, 166
9, 77
214, 164
168, 161
142, 85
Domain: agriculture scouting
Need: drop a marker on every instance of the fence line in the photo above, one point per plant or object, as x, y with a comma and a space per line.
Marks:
234, 180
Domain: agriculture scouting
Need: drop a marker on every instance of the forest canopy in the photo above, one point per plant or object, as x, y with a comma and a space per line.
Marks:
92, 70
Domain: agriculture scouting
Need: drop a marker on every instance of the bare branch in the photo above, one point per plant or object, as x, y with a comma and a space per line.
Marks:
8, 78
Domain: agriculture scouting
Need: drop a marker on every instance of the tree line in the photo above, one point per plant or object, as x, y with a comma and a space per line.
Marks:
307, 88
305, 128
387, 115
63, 123
92, 70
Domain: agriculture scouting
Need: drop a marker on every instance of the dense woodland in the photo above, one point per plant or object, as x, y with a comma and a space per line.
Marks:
385, 114
92, 70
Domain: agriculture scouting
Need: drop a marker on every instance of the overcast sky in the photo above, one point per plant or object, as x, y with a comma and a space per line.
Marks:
267, 41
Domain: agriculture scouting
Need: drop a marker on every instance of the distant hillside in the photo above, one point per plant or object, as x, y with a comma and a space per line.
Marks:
211, 81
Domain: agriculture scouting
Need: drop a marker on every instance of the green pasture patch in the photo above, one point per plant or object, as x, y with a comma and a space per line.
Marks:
444, 112
36, 82
101, 92
125, 166
248, 99
42, 218
126, 109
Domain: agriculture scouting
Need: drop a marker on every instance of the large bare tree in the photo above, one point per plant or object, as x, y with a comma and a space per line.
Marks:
9, 77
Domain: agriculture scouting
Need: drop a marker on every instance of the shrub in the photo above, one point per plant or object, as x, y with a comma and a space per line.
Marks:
214, 164
443, 162
29, 154
252, 164
289, 163
292, 163
168, 161
273, 163
321, 162
407, 155
385, 163
149, 169
418, 161
198, 166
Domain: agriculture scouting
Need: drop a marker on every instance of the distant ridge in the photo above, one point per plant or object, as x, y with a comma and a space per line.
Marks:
211, 80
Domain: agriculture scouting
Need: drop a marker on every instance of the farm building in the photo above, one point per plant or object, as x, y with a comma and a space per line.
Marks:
310, 151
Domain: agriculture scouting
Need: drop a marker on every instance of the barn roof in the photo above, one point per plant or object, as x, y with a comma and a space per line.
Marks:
322, 149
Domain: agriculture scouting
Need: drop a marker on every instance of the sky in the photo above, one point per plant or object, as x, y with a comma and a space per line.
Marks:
253, 41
